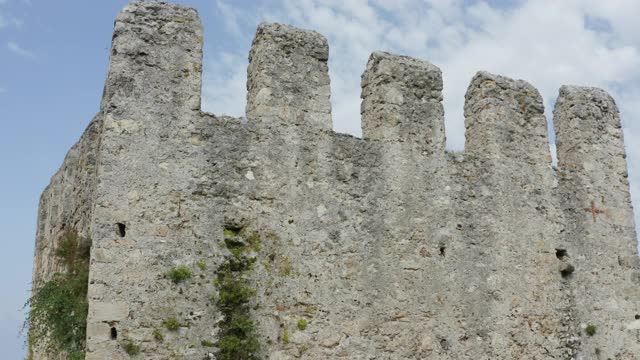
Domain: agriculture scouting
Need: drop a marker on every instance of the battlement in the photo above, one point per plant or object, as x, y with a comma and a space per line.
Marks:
288, 82
386, 246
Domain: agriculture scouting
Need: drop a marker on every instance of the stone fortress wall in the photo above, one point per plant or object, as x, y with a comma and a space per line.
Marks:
389, 246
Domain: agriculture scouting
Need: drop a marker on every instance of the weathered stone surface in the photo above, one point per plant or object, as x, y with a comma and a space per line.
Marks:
402, 101
389, 246
288, 77
109, 312
599, 227
67, 202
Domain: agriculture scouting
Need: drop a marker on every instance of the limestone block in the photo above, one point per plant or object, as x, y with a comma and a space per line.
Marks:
108, 312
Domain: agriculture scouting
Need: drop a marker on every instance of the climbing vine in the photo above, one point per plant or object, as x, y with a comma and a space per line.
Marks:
57, 316
238, 338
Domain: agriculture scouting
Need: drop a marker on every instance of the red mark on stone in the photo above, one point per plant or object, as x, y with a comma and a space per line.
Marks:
594, 211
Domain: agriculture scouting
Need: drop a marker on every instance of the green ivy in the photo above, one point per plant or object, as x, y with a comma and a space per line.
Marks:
57, 316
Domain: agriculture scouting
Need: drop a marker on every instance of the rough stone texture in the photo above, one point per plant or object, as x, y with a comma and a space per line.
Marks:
599, 228
390, 247
151, 163
401, 97
288, 76
65, 204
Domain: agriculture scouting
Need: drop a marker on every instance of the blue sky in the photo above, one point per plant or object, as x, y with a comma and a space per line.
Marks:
54, 58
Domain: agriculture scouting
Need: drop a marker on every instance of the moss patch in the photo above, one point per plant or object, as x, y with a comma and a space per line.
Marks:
57, 317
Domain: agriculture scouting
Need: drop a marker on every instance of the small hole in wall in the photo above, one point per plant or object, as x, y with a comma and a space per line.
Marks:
567, 270
444, 344
443, 250
121, 229
637, 317
114, 333
561, 253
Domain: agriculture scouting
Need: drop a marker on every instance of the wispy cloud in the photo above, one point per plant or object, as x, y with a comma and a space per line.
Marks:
6, 19
20, 51
3, 90
224, 84
230, 16
10, 21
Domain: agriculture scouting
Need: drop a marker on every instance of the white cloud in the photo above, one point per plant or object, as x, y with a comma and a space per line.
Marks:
224, 84
230, 16
20, 51
548, 43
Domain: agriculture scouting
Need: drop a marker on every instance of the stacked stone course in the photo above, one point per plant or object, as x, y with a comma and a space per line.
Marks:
388, 246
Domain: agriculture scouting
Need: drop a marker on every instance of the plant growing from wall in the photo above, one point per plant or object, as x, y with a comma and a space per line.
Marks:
179, 274
238, 339
172, 324
157, 335
207, 343
58, 308
130, 348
